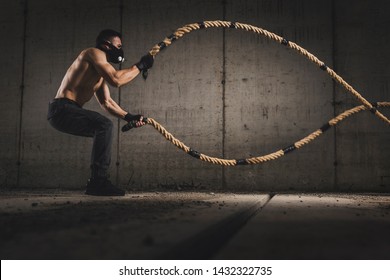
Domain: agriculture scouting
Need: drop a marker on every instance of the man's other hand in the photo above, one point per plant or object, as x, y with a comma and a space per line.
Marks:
137, 118
145, 63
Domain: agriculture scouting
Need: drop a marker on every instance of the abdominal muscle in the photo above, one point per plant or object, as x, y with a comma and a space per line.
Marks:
81, 81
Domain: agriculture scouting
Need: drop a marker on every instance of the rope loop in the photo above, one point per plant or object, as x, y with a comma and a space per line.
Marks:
180, 32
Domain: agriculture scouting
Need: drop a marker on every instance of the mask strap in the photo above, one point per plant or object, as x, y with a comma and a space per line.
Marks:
110, 44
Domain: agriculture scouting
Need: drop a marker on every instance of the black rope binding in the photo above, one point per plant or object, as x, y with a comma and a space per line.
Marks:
289, 149
285, 42
233, 25
172, 37
325, 127
201, 24
241, 162
374, 107
162, 45
194, 153
323, 67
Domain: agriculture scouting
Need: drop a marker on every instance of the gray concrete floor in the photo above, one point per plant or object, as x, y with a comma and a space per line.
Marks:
193, 225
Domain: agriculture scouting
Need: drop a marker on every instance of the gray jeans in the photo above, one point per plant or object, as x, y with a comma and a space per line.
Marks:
69, 117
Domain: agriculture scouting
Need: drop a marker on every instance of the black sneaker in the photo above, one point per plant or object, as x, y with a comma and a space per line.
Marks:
103, 187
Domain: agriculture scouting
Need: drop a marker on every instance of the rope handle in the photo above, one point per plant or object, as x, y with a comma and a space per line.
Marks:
132, 124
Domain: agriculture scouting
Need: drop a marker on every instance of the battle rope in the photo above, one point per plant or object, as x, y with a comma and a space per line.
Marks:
372, 107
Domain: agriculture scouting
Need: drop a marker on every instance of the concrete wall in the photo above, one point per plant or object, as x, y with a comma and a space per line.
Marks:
362, 57
274, 96
223, 92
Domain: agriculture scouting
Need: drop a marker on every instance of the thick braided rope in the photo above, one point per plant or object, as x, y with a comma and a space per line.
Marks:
236, 25
260, 159
304, 141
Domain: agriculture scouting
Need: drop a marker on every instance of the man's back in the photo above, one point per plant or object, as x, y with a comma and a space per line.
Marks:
81, 79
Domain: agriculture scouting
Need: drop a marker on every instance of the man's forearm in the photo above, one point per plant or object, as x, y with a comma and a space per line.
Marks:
125, 76
114, 109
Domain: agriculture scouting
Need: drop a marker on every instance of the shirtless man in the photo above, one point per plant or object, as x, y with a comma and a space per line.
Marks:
89, 75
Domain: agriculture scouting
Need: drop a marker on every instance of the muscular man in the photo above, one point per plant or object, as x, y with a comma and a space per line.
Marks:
89, 75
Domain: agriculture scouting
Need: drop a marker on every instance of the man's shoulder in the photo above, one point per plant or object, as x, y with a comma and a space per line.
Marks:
91, 53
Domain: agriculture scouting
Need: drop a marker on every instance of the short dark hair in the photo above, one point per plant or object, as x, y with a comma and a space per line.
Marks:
106, 34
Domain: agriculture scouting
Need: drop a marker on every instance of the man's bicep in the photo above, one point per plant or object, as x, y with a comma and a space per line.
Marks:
105, 69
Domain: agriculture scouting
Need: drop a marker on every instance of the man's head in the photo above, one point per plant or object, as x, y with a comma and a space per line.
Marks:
110, 42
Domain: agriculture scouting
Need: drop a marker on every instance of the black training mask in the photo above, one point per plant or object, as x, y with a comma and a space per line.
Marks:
115, 55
